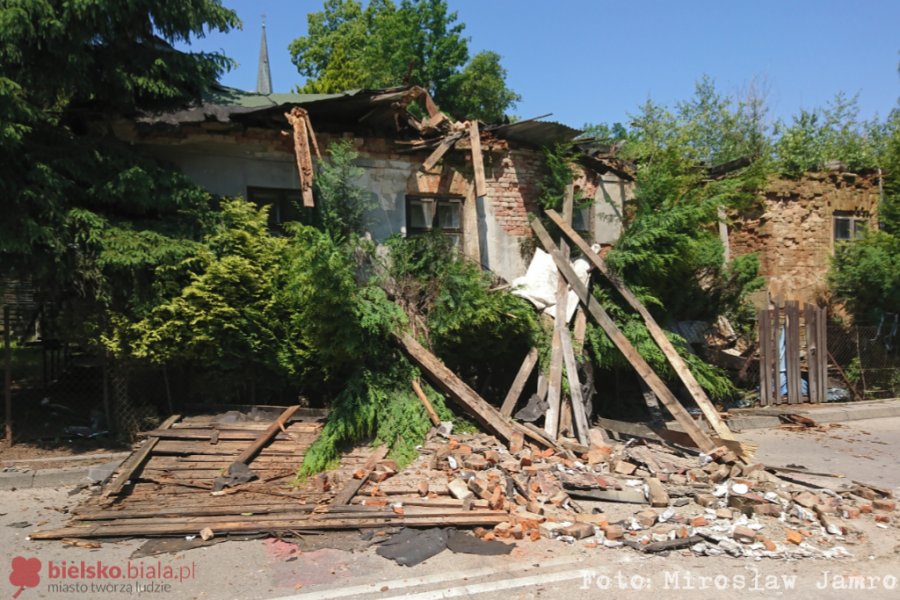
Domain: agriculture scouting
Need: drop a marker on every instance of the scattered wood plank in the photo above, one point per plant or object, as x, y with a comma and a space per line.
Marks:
659, 336
447, 381
518, 384
700, 438
435, 420
265, 437
352, 486
136, 461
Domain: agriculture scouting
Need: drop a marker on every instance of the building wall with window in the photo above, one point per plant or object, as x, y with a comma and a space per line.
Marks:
404, 199
796, 225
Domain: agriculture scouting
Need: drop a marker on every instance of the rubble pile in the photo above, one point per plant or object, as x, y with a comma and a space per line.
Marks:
651, 497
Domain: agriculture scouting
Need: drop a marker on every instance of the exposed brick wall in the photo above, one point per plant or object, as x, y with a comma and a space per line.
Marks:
513, 188
792, 230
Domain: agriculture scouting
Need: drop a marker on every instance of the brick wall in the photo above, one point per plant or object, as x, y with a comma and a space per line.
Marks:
513, 188
792, 229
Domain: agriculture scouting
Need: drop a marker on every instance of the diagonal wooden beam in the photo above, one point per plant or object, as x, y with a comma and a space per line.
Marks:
518, 384
699, 437
659, 336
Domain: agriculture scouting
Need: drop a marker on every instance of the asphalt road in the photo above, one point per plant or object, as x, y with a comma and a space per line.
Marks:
262, 569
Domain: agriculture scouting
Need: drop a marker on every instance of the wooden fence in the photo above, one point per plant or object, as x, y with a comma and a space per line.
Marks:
801, 330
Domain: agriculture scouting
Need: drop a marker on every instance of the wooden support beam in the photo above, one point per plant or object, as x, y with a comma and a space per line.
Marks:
441, 150
792, 349
554, 386
518, 384
298, 119
703, 441
447, 381
659, 336
136, 461
352, 487
435, 420
477, 159
578, 414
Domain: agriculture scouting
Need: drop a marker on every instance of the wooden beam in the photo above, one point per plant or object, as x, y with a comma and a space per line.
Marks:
435, 420
265, 437
554, 385
792, 349
581, 422
297, 117
518, 384
703, 441
439, 152
352, 487
447, 381
136, 461
477, 159
659, 336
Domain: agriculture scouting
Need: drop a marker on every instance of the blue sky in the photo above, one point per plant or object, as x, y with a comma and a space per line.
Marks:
597, 61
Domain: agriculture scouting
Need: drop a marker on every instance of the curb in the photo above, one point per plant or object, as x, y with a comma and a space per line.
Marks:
837, 413
47, 478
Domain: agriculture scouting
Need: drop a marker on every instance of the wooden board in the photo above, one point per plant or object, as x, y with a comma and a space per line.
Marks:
518, 384
792, 350
477, 159
577, 404
447, 381
134, 462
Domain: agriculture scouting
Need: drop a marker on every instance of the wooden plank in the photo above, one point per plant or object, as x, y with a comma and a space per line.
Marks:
812, 351
765, 384
580, 329
477, 159
447, 381
776, 346
286, 525
518, 384
352, 487
703, 441
578, 414
792, 349
822, 342
297, 118
554, 395
659, 336
184, 433
435, 420
135, 461
439, 152
554, 385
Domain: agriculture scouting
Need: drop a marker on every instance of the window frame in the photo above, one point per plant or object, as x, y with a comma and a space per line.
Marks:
438, 200
858, 224
282, 198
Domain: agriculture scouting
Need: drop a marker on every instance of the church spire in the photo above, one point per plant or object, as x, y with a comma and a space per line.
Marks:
264, 74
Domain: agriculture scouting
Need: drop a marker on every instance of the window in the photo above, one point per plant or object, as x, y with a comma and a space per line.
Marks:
285, 206
849, 225
429, 213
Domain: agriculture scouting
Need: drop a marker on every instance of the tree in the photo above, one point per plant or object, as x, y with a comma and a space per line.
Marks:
417, 42
85, 218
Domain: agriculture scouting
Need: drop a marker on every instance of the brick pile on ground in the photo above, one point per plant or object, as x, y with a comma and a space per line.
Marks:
650, 497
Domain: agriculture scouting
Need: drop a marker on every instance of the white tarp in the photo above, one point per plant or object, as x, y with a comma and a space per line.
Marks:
538, 285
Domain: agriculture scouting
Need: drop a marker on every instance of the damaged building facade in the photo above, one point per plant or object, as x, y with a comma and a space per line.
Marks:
236, 144
797, 223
